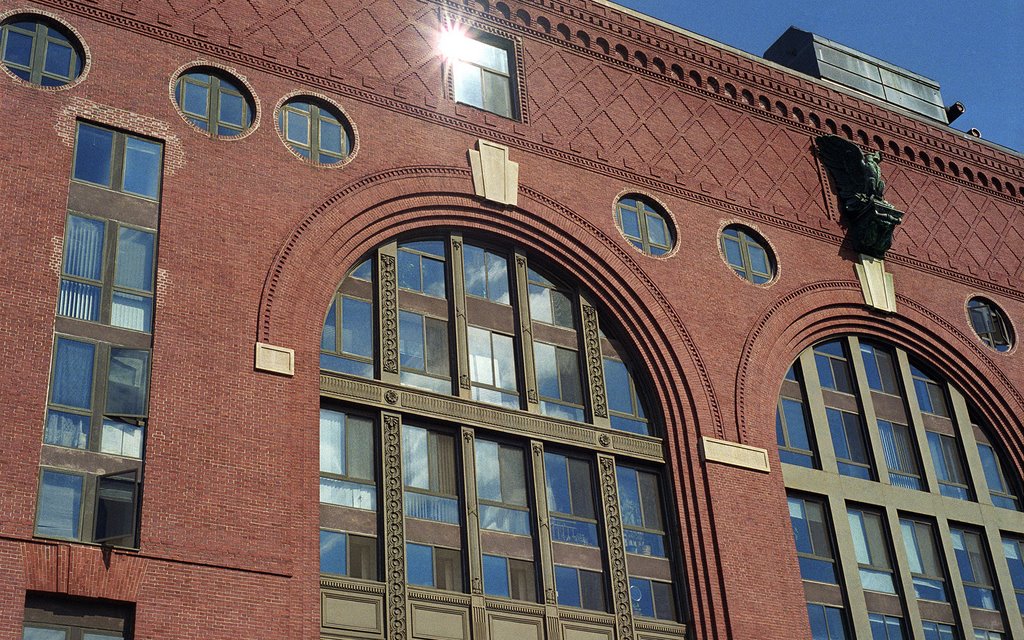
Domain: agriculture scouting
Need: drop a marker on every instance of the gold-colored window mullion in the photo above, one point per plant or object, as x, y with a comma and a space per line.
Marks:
525, 330
901, 565
868, 418
1006, 597
595, 393
958, 598
459, 329
387, 312
816, 411
917, 422
622, 605
846, 559
393, 526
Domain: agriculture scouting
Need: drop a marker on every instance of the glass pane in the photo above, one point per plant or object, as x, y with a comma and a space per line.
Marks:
72, 374
650, 494
79, 300
410, 340
348, 494
656, 230
83, 249
796, 426
362, 561
467, 83
497, 279
409, 271
359, 448
332, 442
593, 590
664, 603
733, 252
540, 304
546, 369
93, 151
630, 221
523, 580
19, 48
357, 327
447, 569
497, 94
420, 569
567, 586
232, 110
297, 127
115, 508
127, 382
641, 596
758, 259
557, 477
437, 346
121, 439
495, 576
142, 167
629, 496
484, 54
329, 337
582, 488
504, 362
561, 309
433, 277
488, 475
569, 376
131, 311
331, 136
364, 271
58, 59
616, 379
196, 100
134, 267
333, 554
60, 501
474, 266
513, 475
39, 633
481, 366
67, 429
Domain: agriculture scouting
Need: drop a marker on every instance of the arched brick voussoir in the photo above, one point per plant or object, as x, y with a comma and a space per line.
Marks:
360, 216
831, 308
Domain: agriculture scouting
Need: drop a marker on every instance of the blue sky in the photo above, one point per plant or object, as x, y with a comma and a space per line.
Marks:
974, 49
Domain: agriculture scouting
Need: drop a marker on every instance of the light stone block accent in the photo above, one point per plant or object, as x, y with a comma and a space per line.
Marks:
360, 613
274, 359
495, 177
876, 284
735, 454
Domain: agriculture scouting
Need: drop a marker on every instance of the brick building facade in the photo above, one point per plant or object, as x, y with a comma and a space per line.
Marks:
565, 272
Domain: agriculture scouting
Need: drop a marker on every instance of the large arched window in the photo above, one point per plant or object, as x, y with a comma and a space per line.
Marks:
903, 513
478, 424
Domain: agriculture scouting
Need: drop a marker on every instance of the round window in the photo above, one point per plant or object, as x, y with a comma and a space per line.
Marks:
40, 51
748, 254
645, 224
990, 323
215, 102
316, 130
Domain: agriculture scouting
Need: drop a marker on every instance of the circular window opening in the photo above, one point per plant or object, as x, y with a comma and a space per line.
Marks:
40, 51
748, 254
645, 224
990, 323
316, 130
215, 102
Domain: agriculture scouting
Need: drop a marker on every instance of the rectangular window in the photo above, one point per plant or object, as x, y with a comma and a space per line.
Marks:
486, 274
558, 381
96, 384
347, 343
501, 488
938, 631
117, 161
880, 368
626, 410
1012, 550
931, 397
827, 623
652, 599
492, 368
813, 540
548, 303
833, 367
642, 515
509, 578
975, 570
570, 492
900, 455
78, 506
421, 268
346, 554
849, 443
885, 627
793, 434
429, 467
482, 73
56, 617
436, 567
872, 550
999, 489
423, 352
347, 469
949, 466
580, 588
107, 274
925, 561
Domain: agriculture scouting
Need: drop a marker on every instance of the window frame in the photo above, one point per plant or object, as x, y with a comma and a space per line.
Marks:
87, 518
316, 111
645, 207
1000, 336
118, 161
41, 39
500, 41
747, 238
210, 123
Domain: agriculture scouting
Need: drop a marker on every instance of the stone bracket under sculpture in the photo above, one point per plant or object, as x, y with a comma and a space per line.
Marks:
870, 218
